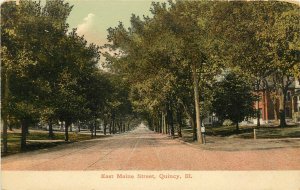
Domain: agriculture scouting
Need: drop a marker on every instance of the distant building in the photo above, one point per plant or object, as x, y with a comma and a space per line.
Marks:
296, 98
269, 105
211, 119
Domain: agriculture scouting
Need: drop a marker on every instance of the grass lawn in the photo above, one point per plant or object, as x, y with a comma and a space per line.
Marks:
246, 132
40, 140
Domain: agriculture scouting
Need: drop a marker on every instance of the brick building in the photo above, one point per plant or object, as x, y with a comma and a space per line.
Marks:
269, 106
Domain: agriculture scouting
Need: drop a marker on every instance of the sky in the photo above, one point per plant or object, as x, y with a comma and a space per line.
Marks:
92, 18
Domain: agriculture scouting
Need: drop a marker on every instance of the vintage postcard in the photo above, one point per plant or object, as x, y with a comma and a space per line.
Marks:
142, 94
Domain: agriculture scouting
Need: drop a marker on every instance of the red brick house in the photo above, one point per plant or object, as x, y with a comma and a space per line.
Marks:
269, 105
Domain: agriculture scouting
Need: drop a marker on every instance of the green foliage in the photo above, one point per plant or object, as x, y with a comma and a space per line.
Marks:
262, 39
50, 74
233, 98
155, 54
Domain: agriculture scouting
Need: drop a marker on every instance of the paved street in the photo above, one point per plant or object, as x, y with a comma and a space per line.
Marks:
143, 149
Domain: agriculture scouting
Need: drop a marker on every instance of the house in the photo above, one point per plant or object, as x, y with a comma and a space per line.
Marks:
296, 98
211, 119
268, 104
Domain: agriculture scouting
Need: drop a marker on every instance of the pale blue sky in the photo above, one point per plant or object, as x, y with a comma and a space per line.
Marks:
93, 17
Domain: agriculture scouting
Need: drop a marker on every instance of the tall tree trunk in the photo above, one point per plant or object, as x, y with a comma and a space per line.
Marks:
197, 104
293, 107
92, 130
167, 126
237, 127
4, 135
162, 123
179, 121
150, 123
27, 130
67, 124
258, 114
51, 135
24, 126
5, 106
119, 127
170, 120
104, 127
114, 127
282, 106
257, 103
95, 128
158, 123
9, 125
194, 128
110, 126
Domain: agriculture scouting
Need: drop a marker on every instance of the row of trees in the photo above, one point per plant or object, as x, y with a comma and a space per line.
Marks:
176, 58
50, 74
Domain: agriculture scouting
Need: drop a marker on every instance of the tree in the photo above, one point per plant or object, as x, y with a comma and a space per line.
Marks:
45, 67
261, 38
119, 105
233, 98
97, 89
19, 62
50, 34
156, 54
77, 60
8, 51
282, 40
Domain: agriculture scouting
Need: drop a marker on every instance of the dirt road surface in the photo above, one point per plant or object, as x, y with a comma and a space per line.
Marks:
143, 149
